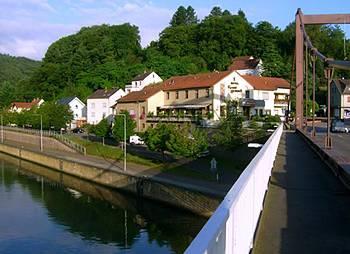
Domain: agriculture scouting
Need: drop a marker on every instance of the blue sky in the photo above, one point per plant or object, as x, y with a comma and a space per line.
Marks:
28, 27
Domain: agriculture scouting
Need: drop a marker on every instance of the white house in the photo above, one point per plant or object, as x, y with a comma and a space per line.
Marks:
78, 109
142, 80
260, 95
24, 106
247, 65
100, 102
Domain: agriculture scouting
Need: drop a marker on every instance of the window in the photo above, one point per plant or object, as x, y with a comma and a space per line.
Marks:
197, 94
93, 105
143, 126
152, 125
143, 110
103, 115
76, 106
265, 95
167, 95
348, 98
208, 92
104, 105
92, 114
177, 94
76, 115
186, 94
247, 93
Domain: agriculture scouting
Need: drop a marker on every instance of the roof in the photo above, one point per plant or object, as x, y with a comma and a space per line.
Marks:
243, 63
194, 81
142, 95
66, 101
142, 76
103, 93
343, 85
266, 83
27, 105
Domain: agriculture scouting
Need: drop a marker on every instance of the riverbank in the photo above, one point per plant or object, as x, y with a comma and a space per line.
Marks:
200, 197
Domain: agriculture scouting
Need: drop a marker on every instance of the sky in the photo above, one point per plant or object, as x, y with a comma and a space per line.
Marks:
28, 27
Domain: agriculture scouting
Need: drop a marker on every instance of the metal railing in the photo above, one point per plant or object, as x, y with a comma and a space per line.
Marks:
231, 228
52, 134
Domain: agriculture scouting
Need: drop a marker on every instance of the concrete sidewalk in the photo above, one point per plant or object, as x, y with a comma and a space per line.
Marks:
307, 209
206, 187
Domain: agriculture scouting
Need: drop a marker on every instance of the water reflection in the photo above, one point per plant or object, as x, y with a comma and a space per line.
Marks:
47, 211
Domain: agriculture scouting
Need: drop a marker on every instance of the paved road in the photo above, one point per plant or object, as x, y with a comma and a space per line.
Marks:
307, 209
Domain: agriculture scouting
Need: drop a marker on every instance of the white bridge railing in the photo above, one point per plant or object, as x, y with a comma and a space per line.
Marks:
231, 228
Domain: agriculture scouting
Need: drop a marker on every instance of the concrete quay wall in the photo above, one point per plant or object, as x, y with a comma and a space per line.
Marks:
146, 187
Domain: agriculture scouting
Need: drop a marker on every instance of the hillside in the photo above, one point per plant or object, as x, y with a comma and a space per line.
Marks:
14, 75
14, 69
106, 56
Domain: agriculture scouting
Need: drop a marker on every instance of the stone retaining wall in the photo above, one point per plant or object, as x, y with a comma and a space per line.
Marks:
196, 202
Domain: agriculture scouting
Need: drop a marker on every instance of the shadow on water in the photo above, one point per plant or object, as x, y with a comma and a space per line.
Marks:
96, 214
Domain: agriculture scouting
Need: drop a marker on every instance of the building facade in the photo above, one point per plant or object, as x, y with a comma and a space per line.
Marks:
340, 98
99, 104
142, 80
78, 109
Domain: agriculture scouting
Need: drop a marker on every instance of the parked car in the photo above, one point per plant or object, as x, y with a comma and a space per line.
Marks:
339, 126
136, 140
78, 130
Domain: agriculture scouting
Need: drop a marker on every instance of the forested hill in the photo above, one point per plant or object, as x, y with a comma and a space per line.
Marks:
111, 55
14, 71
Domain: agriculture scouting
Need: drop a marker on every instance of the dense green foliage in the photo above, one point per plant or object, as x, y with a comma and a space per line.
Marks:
13, 72
118, 126
230, 132
101, 129
177, 140
111, 55
54, 117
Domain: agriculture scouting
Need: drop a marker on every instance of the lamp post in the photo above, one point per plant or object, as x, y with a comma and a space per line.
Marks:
2, 129
124, 147
41, 131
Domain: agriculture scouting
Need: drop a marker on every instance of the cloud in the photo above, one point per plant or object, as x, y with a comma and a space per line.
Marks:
39, 23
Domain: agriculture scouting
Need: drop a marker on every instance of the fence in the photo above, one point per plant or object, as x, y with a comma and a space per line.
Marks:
231, 228
52, 134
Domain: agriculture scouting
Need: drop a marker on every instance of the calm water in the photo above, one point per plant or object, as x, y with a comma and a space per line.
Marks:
43, 211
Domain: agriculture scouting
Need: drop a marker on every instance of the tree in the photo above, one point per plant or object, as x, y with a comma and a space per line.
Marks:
55, 116
230, 132
118, 126
102, 129
179, 17
216, 12
191, 16
187, 143
156, 138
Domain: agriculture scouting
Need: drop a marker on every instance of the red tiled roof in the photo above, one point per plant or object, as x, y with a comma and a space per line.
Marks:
142, 95
27, 105
243, 63
194, 81
266, 83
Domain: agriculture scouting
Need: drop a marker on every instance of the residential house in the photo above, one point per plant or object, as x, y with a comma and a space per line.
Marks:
100, 102
78, 109
340, 98
261, 95
142, 80
24, 106
247, 65
141, 104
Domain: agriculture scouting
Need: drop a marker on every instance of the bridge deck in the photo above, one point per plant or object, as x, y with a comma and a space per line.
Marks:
307, 209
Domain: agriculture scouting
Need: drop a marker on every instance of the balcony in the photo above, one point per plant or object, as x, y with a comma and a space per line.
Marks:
174, 119
283, 102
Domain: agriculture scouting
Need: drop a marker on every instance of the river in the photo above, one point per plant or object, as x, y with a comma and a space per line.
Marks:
44, 211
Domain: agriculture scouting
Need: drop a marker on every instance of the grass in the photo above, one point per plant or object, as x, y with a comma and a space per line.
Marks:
110, 152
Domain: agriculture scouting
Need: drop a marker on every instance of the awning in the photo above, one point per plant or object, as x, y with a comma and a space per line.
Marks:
187, 106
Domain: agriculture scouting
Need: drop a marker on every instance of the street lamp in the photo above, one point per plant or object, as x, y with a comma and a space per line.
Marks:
41, 131
124, 116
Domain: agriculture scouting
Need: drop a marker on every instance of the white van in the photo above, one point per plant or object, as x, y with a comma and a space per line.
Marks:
136, 140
